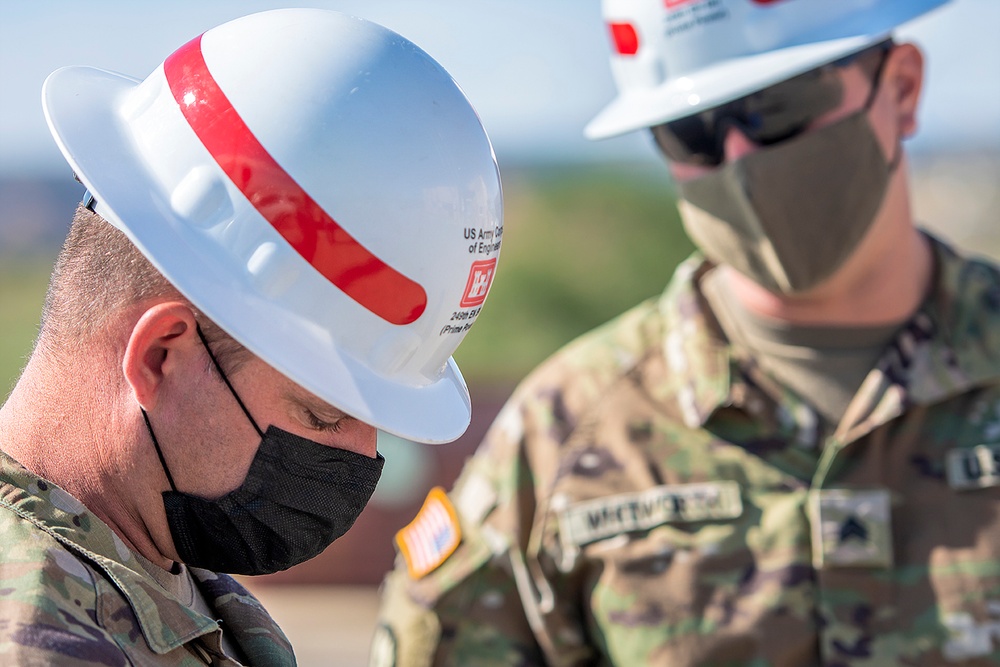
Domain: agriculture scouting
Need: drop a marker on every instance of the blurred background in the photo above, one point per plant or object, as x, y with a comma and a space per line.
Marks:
590, 226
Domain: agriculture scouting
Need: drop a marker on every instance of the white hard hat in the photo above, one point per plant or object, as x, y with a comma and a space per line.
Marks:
312, 182
673, 58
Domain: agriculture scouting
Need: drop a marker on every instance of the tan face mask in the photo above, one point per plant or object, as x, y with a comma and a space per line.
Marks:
789, 215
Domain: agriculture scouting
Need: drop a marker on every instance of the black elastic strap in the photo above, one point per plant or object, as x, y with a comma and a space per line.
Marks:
225, 379
159, 452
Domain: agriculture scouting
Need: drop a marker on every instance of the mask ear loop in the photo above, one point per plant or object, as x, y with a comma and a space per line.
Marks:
176, 567
218, 367
225, 379
159, 452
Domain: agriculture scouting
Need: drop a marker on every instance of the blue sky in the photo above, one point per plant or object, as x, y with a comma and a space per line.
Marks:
536, 70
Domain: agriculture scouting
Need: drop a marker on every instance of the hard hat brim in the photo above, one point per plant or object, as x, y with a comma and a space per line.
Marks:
82, 107
727, 81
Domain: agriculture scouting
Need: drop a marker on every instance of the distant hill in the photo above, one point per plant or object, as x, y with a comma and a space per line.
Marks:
35, 213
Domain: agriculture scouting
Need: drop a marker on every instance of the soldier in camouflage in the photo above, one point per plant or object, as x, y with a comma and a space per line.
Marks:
791, 457
203, 396
73, 593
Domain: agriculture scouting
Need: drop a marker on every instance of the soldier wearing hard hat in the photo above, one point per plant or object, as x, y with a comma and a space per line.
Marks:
790, 458
261, 275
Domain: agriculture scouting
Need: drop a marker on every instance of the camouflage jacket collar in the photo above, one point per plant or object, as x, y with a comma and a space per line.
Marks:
950, 345
165, 622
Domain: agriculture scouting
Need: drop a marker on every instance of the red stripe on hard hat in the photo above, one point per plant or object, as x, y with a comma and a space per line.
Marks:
625, 38
274, 193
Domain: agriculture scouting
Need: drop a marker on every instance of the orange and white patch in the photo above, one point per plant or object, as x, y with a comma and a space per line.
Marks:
432, 536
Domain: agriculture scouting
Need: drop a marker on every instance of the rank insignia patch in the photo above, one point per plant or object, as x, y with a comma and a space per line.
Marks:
851, 527
432, 536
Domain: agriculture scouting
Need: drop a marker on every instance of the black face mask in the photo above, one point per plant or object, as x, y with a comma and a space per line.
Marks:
298, 497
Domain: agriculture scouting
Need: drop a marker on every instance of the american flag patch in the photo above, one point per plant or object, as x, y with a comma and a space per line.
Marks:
432, 536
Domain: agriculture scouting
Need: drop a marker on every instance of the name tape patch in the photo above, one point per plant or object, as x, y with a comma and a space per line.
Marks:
973, 467
594, 520
432, 536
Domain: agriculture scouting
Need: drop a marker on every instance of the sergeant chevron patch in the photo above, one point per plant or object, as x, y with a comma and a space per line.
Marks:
851, 527
432, 536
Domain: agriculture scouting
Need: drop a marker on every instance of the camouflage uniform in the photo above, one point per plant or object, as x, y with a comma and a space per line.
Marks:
650, 496
71, 593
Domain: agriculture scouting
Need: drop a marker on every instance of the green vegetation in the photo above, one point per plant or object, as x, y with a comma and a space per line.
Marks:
581, 244
22, 290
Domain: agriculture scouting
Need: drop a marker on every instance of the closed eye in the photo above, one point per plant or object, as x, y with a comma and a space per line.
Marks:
318, 424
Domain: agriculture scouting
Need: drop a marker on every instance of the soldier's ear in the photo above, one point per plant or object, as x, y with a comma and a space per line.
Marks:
163, 341
903, 80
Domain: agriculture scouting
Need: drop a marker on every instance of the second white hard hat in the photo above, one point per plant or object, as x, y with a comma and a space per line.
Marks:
673, 58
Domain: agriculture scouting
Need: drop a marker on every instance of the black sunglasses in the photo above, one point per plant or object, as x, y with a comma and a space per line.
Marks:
768, 116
